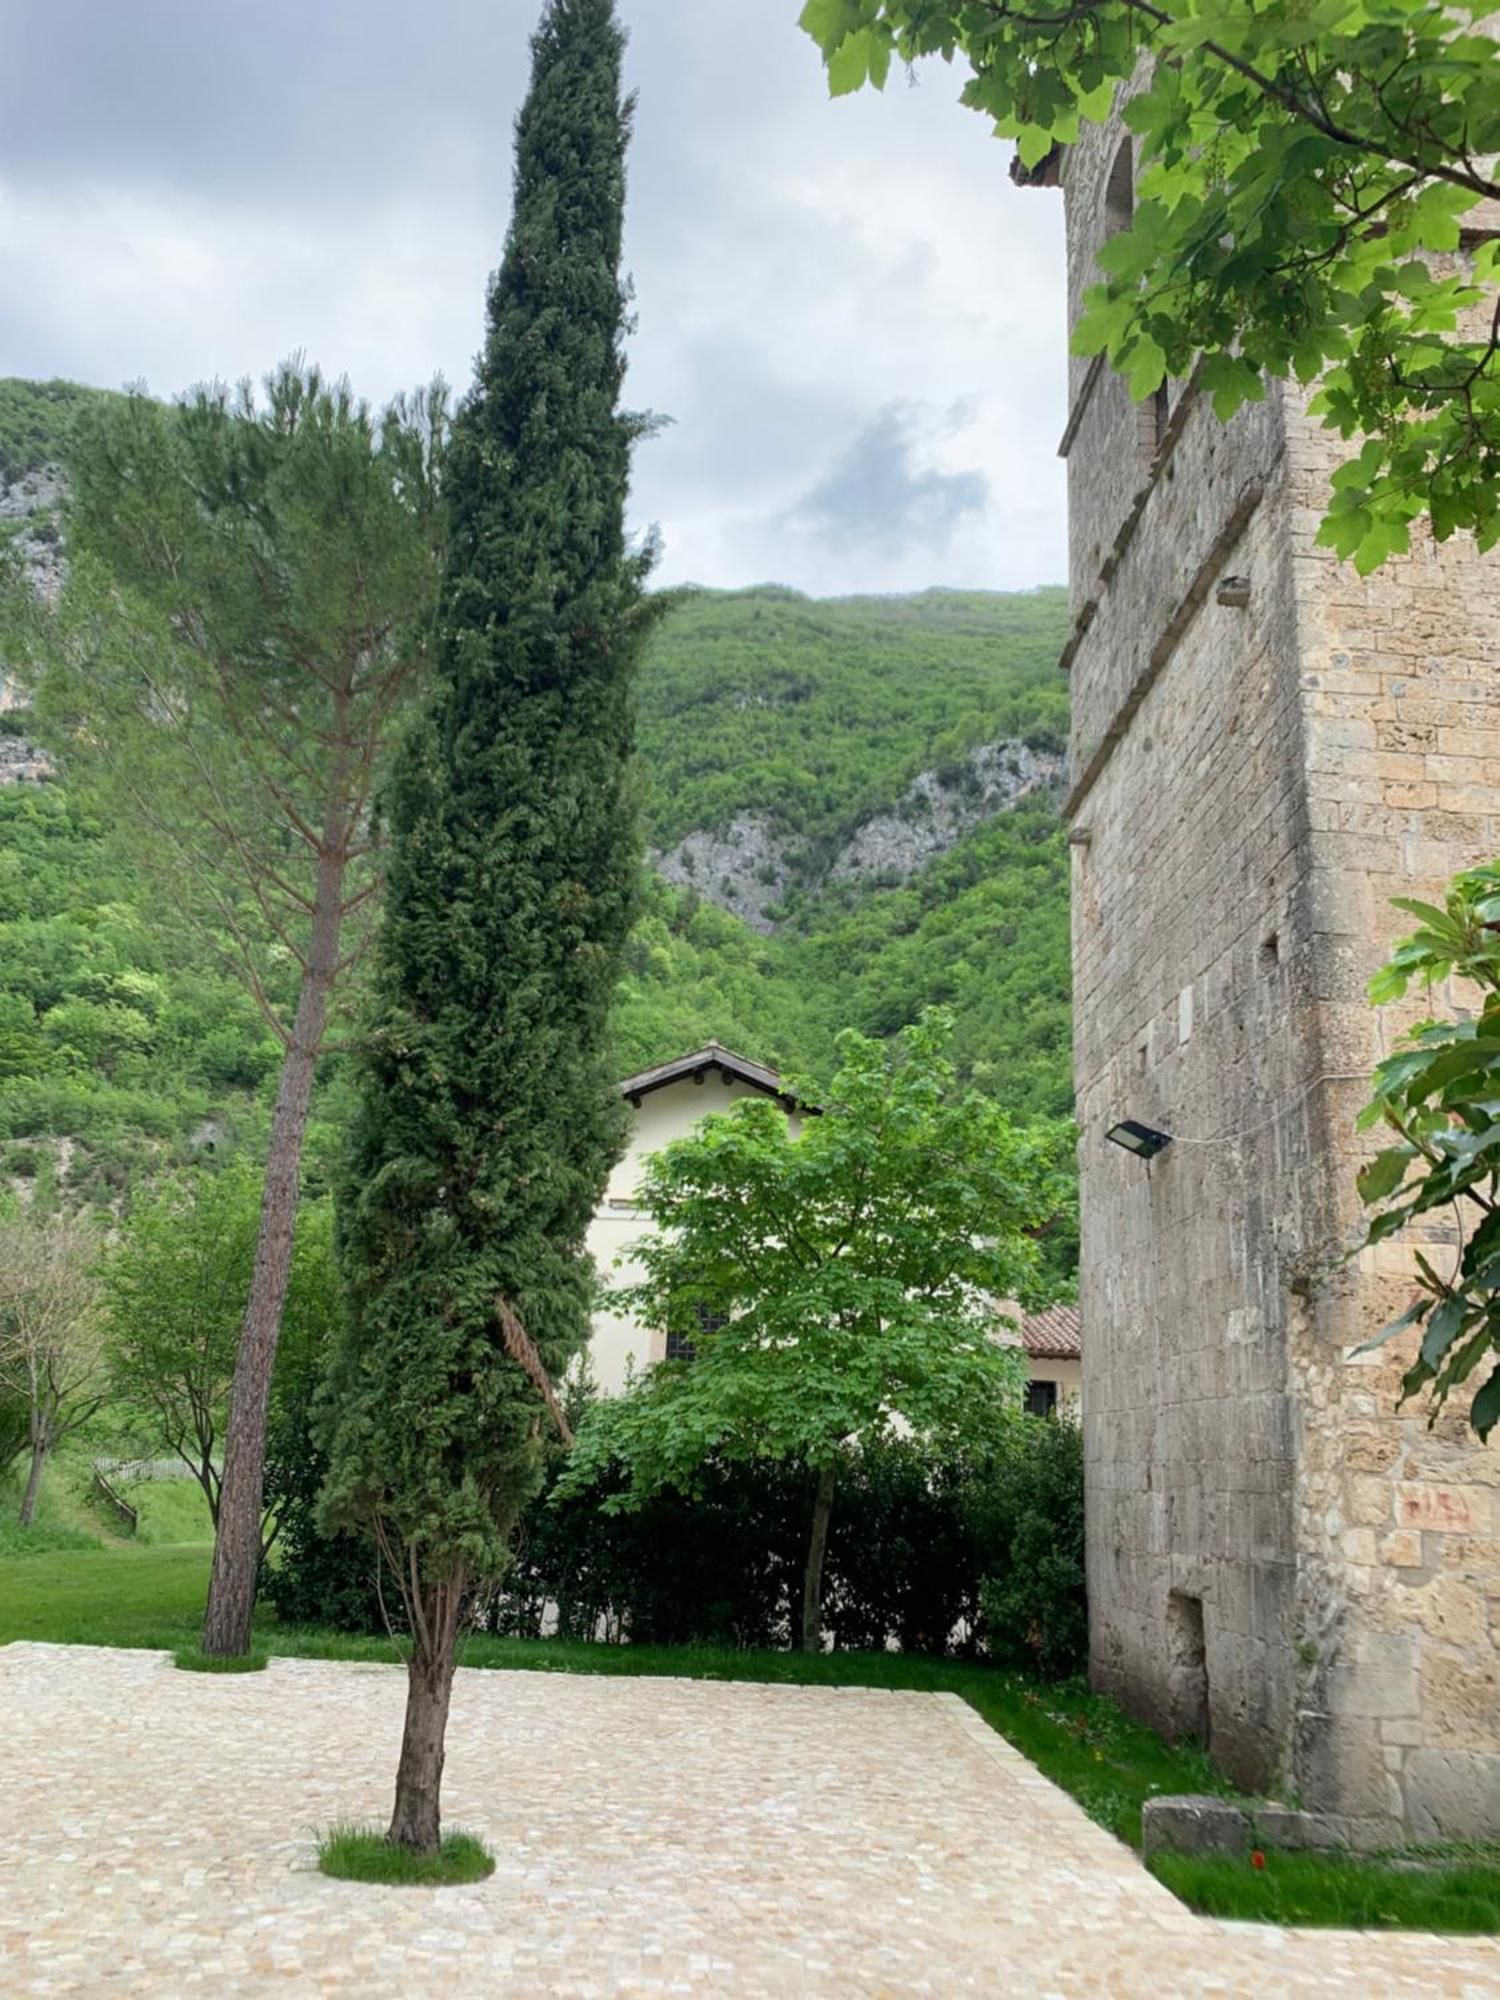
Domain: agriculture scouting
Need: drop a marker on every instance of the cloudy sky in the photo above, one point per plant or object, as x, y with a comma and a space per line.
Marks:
850, 315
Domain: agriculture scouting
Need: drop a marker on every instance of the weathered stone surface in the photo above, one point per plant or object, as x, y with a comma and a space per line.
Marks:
1452, 1795
940, 807
1258, 771
1286, 1827
743, 867
1195, 1824
23, 762
747, 866
1289, 1827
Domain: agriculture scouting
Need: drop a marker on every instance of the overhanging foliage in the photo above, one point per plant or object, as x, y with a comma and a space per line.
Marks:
1440, 1095
1305, 174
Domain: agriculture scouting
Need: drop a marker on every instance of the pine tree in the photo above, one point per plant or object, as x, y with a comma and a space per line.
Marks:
488, 1119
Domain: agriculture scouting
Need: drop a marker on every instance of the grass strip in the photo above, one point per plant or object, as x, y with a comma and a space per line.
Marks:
1451, 1891
363, 1854
193, 1660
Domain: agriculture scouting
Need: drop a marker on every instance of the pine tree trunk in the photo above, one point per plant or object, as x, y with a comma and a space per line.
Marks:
416, 1818
237, 1544
817, 1549
39, 1447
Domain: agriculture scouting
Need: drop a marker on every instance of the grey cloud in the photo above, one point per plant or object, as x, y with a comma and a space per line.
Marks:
874, 496
192, 188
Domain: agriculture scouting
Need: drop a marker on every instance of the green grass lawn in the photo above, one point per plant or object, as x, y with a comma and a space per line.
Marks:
1442, 1890
70, 1515
105, 1596
133, 1595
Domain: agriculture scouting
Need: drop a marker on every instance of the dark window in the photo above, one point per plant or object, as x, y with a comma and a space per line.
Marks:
681, 1346
1151, 416
1161, 415
1041, 1399
1119, 193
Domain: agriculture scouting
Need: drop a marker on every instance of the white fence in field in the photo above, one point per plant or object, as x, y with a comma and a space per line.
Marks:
118, 1470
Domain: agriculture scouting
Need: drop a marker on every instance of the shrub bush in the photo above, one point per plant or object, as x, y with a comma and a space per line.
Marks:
981, 1557
311, 1579
1028, 1513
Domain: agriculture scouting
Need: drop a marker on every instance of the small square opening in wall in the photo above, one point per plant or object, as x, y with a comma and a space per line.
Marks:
1270, 949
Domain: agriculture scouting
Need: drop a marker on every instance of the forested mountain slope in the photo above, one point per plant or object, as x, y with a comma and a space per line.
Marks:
873, 783
851, 812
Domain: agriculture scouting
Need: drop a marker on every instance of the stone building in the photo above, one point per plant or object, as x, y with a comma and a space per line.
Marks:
1266, 748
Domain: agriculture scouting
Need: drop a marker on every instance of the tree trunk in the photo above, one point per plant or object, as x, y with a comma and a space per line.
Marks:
39, 1449
237, 1550
416, 1819
817, 1548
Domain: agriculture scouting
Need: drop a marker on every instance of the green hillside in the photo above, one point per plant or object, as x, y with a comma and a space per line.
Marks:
129, 1045
812, 719
36, 419
814, 711
814, 714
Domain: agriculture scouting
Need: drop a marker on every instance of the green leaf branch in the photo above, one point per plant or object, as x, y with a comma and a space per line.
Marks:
1439, 1095
1306, 180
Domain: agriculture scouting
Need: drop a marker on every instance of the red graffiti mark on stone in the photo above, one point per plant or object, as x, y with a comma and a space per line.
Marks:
1440, 1507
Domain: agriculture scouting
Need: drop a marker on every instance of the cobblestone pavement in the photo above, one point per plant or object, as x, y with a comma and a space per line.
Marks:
654, 1837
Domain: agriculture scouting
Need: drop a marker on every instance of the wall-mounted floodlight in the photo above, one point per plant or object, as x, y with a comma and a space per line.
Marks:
1142, 1140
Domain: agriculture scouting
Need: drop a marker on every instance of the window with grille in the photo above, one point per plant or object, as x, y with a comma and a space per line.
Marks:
682, 1346
1041, 1399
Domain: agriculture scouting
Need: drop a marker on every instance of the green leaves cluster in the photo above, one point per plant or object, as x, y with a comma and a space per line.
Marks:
111, 1035
172, 1300
247, 613
36, 422
1303, 177
1439, 1094
836, 1283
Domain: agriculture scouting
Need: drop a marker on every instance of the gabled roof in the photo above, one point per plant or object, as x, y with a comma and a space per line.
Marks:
1054, 1335
711, 1059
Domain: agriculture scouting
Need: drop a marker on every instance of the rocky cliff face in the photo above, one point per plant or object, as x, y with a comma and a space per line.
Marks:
743, 867
29, 507
33, 501
939, 807
747, 866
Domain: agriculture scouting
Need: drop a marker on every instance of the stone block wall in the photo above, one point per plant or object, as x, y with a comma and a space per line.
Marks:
1399, 1524
1278, 1561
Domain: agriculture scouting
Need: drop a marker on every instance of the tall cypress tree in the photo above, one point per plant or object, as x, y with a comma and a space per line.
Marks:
488, 1120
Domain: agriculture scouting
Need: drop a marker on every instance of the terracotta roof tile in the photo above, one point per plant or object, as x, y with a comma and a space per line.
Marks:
1054, 1335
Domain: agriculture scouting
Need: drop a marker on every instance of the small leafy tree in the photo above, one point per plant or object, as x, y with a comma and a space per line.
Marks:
247, 617
832, 1286
1026, 1511
1440, 1095
1304, 175
488, 1117
51, 1355
173, 1297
